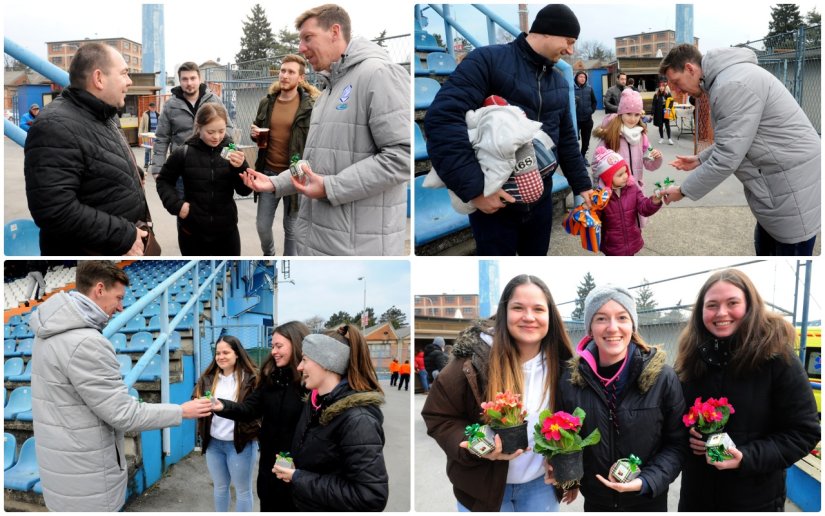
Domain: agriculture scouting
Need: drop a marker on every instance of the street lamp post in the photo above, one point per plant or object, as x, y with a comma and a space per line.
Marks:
364, 313
425, 298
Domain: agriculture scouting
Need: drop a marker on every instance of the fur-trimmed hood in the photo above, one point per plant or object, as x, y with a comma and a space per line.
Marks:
355, 399
470, 341
651, 363
312, 91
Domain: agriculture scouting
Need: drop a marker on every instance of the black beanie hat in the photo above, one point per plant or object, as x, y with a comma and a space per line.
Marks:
556, 20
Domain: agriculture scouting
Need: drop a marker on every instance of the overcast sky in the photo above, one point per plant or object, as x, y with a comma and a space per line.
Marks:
323, 287
774, 279
195, 31
716, 23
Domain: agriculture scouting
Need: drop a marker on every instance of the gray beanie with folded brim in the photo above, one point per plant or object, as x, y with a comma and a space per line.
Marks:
327, 352
601, 295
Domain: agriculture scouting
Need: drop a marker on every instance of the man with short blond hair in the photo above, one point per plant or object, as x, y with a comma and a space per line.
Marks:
80, 406
83, 185
354, 194
760, 135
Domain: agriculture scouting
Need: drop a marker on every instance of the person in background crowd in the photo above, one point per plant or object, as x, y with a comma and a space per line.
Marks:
585, 107
614, 94
148, 124
662, 103
395, 367
435, 359
405, 375
28, 117
421, 370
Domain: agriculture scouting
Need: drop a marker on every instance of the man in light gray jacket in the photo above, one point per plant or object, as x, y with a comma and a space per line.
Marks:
354, 196
762, 136
80, 405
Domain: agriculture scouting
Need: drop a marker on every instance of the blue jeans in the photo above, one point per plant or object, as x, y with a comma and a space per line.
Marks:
225, 465
267, 204
522, 230
532, 496
422, 373
765, 245
147, 154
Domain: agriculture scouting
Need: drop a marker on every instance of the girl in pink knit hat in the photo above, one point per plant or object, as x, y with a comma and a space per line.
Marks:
626, 134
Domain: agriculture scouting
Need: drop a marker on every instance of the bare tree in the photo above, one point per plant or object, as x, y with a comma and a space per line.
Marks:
593, 49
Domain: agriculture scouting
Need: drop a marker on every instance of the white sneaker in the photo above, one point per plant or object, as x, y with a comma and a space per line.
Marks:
670, 141
661, 140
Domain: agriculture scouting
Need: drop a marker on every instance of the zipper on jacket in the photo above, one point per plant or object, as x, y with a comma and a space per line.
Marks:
538, 86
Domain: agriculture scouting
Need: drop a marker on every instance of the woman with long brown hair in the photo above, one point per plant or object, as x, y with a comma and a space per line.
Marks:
734, 347
230, 447
521, 353
277, 401
338, 449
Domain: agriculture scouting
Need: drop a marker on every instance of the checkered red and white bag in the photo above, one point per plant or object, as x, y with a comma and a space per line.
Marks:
526, 184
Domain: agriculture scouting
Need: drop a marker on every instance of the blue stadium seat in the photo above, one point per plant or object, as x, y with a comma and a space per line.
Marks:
125, 362
440, 63
118, 340
12, 367
23, 376
24, 347
425, 42
174, 341
425, 90
136, 323
153, 309
8, 331
9, 450
4, 396
152, 371
23, 332
174, 309
25, 416
140, 341
19, 401
38, 488
25, 474
434, 216
134, 393
420, 68
186, 323
420, 144
21, 237
15, 320
154, 323
10, 348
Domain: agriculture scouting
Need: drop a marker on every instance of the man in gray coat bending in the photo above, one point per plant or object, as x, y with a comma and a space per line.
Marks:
80, 405
354, 198
762, 136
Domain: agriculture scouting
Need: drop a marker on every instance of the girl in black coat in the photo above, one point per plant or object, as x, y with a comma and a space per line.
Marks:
633, 398
338, 445
733, 347
277, 399
207, 214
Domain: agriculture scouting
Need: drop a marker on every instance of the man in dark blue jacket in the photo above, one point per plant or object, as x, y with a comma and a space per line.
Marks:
522, 72
585, 107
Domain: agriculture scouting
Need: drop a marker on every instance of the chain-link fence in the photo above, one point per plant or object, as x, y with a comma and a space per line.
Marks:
241, 86
252, 336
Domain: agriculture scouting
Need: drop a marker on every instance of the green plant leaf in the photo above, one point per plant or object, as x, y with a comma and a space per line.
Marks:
594, 437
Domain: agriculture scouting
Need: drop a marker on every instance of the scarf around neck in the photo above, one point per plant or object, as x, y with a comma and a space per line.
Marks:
89, 310
633, 135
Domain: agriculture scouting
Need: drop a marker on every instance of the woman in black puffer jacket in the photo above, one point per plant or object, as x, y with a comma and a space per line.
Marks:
338, 447
207, 214
278, 401
628, 392
734, 347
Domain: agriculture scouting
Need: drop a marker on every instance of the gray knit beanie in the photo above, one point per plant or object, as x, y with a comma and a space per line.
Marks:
327, 352
439, 341
601, 295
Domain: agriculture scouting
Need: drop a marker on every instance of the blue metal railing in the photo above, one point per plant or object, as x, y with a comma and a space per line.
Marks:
166, 326
41, 66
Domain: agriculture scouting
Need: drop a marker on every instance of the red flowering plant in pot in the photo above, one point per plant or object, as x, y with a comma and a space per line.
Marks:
709, 418
506, 416
558, 439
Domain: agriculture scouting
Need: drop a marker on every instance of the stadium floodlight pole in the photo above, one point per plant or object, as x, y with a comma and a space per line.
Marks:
364, 313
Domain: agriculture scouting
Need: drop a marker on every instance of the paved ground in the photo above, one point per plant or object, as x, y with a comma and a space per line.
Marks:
719, 224
188, 487
15, 207
434, 493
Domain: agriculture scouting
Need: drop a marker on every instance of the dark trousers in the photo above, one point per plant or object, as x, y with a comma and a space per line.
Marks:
658, 504
405, 381
665, 124
522, 230
209, 244
765, 245
393, 378
585, 131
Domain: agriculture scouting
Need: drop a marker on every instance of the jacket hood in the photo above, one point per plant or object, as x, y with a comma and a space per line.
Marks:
304, 88
719, 59
57, 315
358, 50
350, 400
652, 362
177, 91
580, 72
471, 341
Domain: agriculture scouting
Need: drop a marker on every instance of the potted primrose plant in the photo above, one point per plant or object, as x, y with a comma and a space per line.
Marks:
506, 416
558, 440
709, 418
